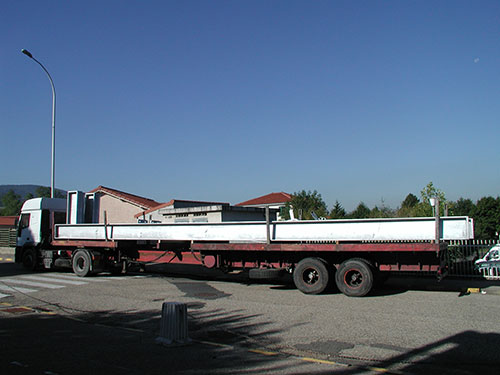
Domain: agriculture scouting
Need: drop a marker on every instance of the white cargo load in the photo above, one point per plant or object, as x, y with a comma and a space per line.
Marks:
400, 229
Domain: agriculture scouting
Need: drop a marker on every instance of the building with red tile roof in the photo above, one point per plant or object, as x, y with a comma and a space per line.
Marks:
273, 199
120, 207
134, 199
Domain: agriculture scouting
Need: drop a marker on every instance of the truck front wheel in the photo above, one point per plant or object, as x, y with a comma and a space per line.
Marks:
81, 263
354, 278
29, 259
311, 276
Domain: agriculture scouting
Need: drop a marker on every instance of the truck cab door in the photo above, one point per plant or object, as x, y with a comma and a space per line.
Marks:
24, 233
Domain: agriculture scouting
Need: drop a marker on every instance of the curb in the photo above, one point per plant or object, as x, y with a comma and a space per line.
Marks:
493, 290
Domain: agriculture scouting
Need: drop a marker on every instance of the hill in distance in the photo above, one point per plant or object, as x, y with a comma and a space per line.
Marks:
22, 190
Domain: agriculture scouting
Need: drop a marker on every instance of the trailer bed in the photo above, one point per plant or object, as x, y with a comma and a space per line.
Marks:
400, 229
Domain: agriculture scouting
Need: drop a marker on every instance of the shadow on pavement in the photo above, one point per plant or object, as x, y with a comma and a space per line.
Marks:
105, 342
12, 269
448, 284
395, 284
465, 353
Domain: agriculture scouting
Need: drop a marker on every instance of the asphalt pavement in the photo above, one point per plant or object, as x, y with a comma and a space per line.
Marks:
40, 341
430, 283
55, 345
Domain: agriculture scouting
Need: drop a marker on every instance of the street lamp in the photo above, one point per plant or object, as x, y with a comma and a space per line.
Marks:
53, 160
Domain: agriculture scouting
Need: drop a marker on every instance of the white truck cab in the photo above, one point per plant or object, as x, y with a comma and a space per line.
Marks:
38, 216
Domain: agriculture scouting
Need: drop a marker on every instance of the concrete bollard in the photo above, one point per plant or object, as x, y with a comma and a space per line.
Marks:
173, 325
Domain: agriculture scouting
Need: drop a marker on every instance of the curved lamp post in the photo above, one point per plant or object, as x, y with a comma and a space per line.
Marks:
53, 160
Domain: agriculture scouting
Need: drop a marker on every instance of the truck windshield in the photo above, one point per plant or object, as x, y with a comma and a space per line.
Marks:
24, 222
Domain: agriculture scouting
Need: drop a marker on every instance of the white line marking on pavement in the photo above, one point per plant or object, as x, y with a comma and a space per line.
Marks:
52, 279
32, 283
6, 288
74, 277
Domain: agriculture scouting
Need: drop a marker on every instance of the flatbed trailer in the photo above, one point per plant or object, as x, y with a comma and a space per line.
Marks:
352, 253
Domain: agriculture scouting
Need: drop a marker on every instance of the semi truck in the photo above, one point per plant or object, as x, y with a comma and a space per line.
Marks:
352, 254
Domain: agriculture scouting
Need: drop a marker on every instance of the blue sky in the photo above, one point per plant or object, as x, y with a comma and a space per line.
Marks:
229, 100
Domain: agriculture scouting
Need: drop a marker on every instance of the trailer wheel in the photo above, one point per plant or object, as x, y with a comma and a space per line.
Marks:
354, 278
311, 276
81, 263
29, 259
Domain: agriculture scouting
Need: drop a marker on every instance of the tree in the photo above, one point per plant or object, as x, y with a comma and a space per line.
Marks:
410, 201
304, 203
337, 211
408, 206
462, 207
486, 216
361, 212
44, 192
382, 212
424, 208
12, 204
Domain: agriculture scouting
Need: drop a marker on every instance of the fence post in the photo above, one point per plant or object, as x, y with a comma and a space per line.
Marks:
436, 217
268, 234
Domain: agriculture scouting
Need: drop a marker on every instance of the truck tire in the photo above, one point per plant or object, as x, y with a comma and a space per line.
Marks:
82, 263
311, 276
29, 259
354, 278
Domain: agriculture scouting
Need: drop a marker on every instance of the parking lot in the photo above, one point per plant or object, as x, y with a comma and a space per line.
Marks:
238, 326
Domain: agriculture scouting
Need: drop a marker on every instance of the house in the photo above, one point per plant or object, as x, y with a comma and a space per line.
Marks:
273, 200
8, 230
182, 211
117, 206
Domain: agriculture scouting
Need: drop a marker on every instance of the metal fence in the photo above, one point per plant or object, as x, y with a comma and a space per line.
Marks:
463, 254
7, 237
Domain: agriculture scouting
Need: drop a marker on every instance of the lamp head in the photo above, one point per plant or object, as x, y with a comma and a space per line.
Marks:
27, 53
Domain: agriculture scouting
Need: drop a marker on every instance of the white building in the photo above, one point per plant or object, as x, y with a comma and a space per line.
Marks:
181, 211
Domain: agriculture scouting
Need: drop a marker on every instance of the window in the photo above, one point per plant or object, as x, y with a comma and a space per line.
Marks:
25, 221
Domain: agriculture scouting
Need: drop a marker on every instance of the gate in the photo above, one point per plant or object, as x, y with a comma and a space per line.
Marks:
462, 255
7, 237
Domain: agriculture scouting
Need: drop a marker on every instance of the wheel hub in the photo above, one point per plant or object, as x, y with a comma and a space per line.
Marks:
311, 276
354, 278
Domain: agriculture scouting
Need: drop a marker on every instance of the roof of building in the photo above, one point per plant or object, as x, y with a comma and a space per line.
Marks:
8, 221
172, 202
266, 200
142, 202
